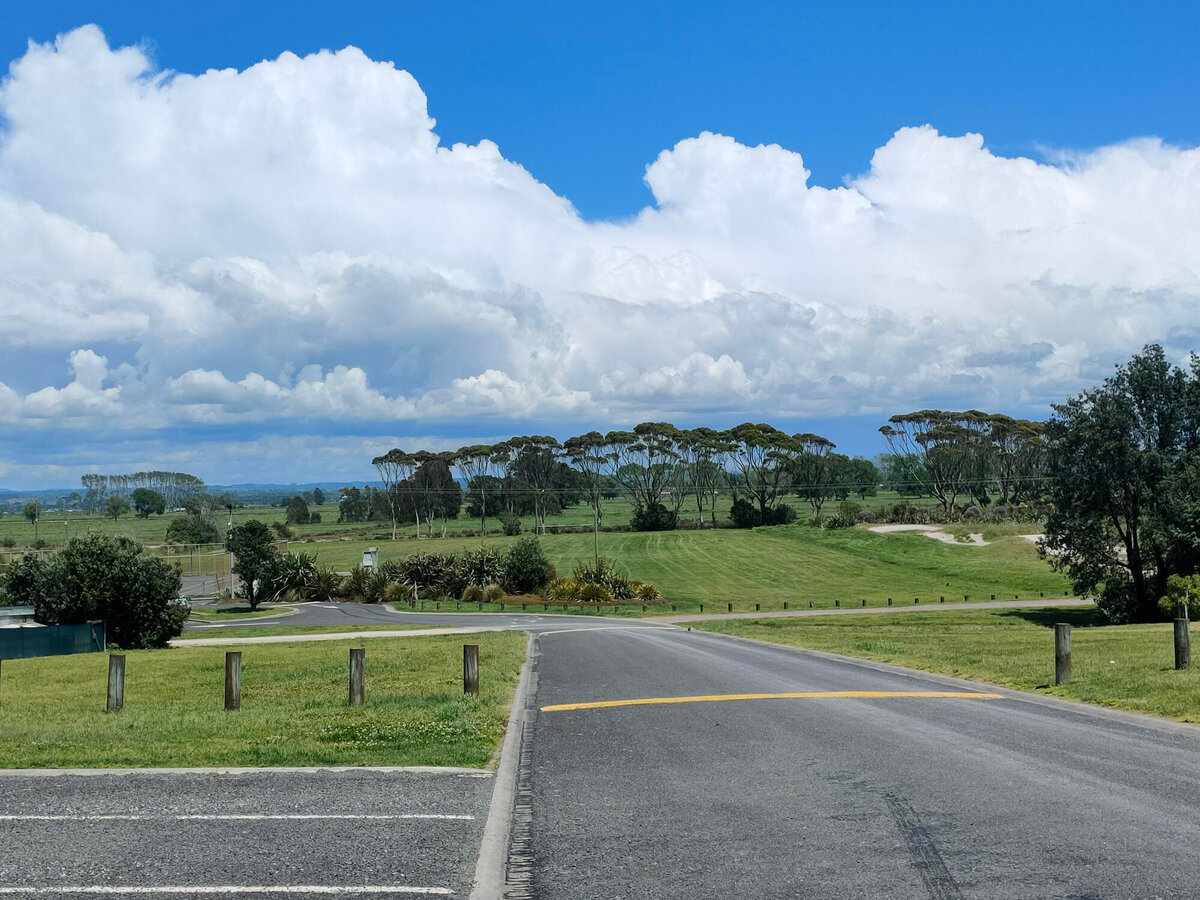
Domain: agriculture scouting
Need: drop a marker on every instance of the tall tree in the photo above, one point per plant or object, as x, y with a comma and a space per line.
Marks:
816, 470
148, 502
589, 453
535, 465
763, 455
255, 558
475, 466
1124, 484
642, 461
116, 506
395, 468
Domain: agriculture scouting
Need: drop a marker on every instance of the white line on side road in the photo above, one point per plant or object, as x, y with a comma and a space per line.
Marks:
233, 817
226, 889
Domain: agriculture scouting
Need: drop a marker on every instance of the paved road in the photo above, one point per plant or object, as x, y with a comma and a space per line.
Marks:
842, 797
386, 835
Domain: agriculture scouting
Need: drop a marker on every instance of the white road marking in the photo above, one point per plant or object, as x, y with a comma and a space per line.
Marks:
233, 817
223, 889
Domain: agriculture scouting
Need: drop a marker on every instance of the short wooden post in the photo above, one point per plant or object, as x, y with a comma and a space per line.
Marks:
358, 675
1062, 653
785, 603
701, 607
524, 607
643, 607
437, 605
810, 604
471, 669
116, 681
233, 679
993, 596
889, 601
916, 601
672, 608
837, 604
1183, 644
864, 601
941, 599
729, 607
756, 607
481, 606
966, 598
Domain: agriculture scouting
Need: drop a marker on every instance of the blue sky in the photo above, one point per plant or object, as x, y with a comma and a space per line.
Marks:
586, 95
274, 273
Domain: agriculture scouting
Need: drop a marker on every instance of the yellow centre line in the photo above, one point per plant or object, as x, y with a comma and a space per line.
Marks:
795, 695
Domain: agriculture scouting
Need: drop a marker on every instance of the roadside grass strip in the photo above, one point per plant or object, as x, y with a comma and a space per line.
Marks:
294, 709
1130, 667
790, 695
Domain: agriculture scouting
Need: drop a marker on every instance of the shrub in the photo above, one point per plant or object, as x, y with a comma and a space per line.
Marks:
314, 518
972, 512
512, 525
102, 577
437, 574
283, 531
493, 593
394, 593
293, 576
745, 514
594, 593
563, 590
1183, 592
526, 568
8, 542
839, 521
367, 585
324, 585
654, 517
473, 593
645, 592
192, 529
606, 573
483, 566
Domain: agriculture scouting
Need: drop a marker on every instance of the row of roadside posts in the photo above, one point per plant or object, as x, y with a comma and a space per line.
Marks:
1062, 648
233, 677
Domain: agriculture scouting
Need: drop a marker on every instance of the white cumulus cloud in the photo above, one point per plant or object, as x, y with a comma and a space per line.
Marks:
292, 242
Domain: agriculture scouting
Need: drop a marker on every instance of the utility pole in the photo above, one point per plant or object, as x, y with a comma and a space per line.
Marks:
66, 524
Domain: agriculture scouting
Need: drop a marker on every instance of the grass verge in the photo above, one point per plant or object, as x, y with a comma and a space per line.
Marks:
1126, 666
294, 709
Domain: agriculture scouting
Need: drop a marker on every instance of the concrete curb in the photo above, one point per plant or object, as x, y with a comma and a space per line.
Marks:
491, 869
249, 770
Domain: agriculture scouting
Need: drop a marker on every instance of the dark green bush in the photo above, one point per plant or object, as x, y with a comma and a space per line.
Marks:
192, 530
607, 573
526, 568
102, 577
512, 525
745, 514
654, 517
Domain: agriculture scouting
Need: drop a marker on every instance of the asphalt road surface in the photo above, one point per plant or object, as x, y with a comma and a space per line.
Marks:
386, 835
835, 797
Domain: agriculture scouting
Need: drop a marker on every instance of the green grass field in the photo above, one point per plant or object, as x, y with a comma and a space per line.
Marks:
235, 613
294, 709
1125, 666
771, 565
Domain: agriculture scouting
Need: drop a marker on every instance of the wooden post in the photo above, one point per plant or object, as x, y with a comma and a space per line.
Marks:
889, 601
756, 607
471, 669
701, 607
837, 604
785, 603
358, 675
1062, 653
233, 679
864, 601
941, 599
810, 604
916, 601
729, 607
966, 598
672, 608
1183, 644
116, 681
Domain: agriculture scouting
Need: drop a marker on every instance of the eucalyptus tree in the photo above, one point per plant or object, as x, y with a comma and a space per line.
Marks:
589, 454
475, 465
815, 468
1019, 456
395, 468
535, 462
937, 451
702, 455
642, 461
763, 455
